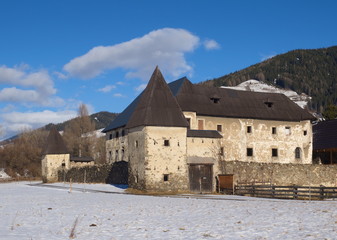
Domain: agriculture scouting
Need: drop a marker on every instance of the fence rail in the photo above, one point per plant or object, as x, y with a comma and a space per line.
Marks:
288, 192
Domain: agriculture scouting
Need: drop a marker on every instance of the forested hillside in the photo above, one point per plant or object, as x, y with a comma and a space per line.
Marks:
313, 72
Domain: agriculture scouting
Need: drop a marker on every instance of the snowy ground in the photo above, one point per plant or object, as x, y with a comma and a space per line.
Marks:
34, 212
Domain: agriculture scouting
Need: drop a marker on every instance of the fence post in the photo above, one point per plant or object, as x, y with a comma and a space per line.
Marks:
321, 192
295, 192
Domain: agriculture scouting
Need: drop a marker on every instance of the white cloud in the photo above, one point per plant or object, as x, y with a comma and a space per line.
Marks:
26, 86
164, 47
107, 88
118, 95
211, 44
16, 122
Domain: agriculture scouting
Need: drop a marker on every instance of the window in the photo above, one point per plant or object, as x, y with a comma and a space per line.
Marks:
117, 134
123, 133
274, 152
305, 132
249, 152
249, 129
166, 177
189, 123
273, 130
298, 152
116, 156
219, 128
110, 136
215, 99
288, 131
201, 124
166, 143
222, 153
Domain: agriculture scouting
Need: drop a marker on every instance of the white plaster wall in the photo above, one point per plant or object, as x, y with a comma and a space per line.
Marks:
116, 144
236, 140
51, 163
161, 159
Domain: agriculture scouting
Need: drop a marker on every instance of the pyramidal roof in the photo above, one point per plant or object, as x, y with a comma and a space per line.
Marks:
55, 143
157, 106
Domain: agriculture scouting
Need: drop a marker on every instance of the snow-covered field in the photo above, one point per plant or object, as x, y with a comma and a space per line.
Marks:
34, 212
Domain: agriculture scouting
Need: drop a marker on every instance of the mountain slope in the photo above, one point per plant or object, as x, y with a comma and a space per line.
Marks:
101, 120
313, 72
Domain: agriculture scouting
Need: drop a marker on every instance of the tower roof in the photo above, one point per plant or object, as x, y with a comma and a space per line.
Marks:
157, 106
55, 143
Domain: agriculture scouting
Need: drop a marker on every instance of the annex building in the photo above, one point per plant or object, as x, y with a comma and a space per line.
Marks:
174, 136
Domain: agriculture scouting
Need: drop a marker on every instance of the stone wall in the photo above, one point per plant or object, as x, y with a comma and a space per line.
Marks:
282, 174
116, 173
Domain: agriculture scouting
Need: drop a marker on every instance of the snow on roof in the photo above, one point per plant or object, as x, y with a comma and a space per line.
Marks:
259, 86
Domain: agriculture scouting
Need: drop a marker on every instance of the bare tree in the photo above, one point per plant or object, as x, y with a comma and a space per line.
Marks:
78, 134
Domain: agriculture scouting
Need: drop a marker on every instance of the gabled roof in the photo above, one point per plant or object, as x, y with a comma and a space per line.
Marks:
201, 99
157, 106
325, 135
55, 143
238, 104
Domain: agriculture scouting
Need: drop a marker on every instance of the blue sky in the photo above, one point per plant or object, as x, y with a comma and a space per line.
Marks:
57, 54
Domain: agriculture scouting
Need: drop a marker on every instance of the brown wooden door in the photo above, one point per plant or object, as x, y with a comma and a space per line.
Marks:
201, 178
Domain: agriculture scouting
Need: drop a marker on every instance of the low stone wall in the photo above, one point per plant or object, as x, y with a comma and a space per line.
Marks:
282, 174
116, 173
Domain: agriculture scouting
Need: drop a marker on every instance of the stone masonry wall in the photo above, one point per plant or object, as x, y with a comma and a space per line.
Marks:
116, 173
282, 174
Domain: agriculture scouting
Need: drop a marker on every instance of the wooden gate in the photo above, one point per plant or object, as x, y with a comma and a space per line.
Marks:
201, 178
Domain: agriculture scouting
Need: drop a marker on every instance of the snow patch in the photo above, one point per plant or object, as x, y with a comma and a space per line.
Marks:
3, 174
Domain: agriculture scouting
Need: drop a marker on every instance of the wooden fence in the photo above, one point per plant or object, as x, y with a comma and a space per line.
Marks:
286, 192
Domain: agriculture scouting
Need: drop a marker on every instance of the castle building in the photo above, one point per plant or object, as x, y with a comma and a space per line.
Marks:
174, 136
56, 157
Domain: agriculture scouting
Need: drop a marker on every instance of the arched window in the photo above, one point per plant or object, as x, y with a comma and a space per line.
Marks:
298, 152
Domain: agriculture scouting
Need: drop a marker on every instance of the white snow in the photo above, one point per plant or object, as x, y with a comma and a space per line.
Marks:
258, 86
33, 212
3, 174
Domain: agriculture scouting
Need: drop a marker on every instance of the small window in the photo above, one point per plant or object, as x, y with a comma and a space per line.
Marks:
63, 164
215, 100
116, 156
117, 134
166, 143
273, 130
123, 133
298, 152
249, 152
249, 129
222, 153
274, 152
288, 131
200, 124
166, 177
110, 136
305, 132
219, 128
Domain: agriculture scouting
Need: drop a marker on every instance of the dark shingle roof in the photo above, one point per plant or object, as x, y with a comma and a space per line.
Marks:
203, 133
55, 143
200, 99
157, 106
325, 135
239, 104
